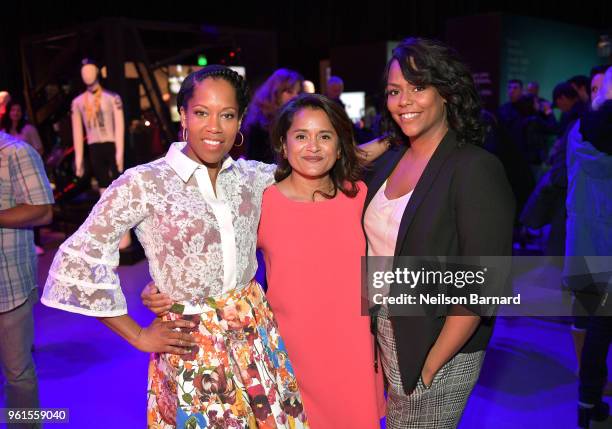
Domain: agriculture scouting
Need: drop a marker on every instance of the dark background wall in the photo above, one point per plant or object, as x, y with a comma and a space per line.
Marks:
307, 31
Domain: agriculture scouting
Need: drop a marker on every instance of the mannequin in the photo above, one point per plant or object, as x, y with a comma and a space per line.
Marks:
101, 113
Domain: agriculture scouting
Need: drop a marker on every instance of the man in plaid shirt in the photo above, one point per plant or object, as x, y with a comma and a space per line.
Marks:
25, 201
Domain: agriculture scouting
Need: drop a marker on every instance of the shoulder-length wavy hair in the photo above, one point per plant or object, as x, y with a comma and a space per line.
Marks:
347, 170
268, 97
431, 63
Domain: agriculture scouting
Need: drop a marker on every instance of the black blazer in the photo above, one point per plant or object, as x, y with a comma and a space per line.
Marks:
461, 206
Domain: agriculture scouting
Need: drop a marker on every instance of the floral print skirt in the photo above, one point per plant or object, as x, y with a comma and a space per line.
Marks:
238, 375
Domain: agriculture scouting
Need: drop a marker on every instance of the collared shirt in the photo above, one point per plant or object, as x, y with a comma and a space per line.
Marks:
198, 244
22, 181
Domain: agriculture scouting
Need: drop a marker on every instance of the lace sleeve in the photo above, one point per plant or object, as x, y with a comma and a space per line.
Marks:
83, 276
262, 173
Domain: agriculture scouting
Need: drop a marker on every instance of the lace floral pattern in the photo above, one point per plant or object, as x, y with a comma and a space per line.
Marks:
177, 228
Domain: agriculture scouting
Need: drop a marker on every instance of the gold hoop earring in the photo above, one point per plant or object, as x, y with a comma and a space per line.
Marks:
185, 134
241, 140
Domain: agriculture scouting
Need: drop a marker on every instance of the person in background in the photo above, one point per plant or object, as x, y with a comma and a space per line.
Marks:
568, 101
582, 85
282, 86
26, 201
508, 113
535, 127
542, 105
589, 234
15, 124
335, 88
533, 87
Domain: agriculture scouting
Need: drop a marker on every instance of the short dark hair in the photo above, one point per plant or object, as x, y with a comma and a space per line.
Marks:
347, 170
431, 63
564, 89
216, 72
520, 82
525, 105
87, 60
580, 81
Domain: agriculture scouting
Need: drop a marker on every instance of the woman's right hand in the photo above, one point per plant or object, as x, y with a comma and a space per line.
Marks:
158, 303
166, 336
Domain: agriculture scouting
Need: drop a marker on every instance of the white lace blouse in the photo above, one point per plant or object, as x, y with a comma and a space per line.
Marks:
198, 245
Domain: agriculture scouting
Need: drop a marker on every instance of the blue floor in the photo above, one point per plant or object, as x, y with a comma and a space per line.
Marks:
527, 380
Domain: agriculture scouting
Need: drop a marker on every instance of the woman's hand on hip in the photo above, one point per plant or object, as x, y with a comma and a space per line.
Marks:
166, 336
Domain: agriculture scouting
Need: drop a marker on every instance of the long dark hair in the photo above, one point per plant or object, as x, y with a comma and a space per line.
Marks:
431, 63
216, 72
7, 123
347, 170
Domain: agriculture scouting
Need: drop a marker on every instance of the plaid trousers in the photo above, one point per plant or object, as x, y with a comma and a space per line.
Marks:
436, 407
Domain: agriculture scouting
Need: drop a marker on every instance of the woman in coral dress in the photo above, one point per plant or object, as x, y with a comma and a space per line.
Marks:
311, 237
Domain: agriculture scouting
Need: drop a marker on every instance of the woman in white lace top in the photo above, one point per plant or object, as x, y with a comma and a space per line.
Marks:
217, 358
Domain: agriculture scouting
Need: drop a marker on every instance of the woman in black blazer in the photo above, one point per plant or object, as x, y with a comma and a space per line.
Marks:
434, 193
